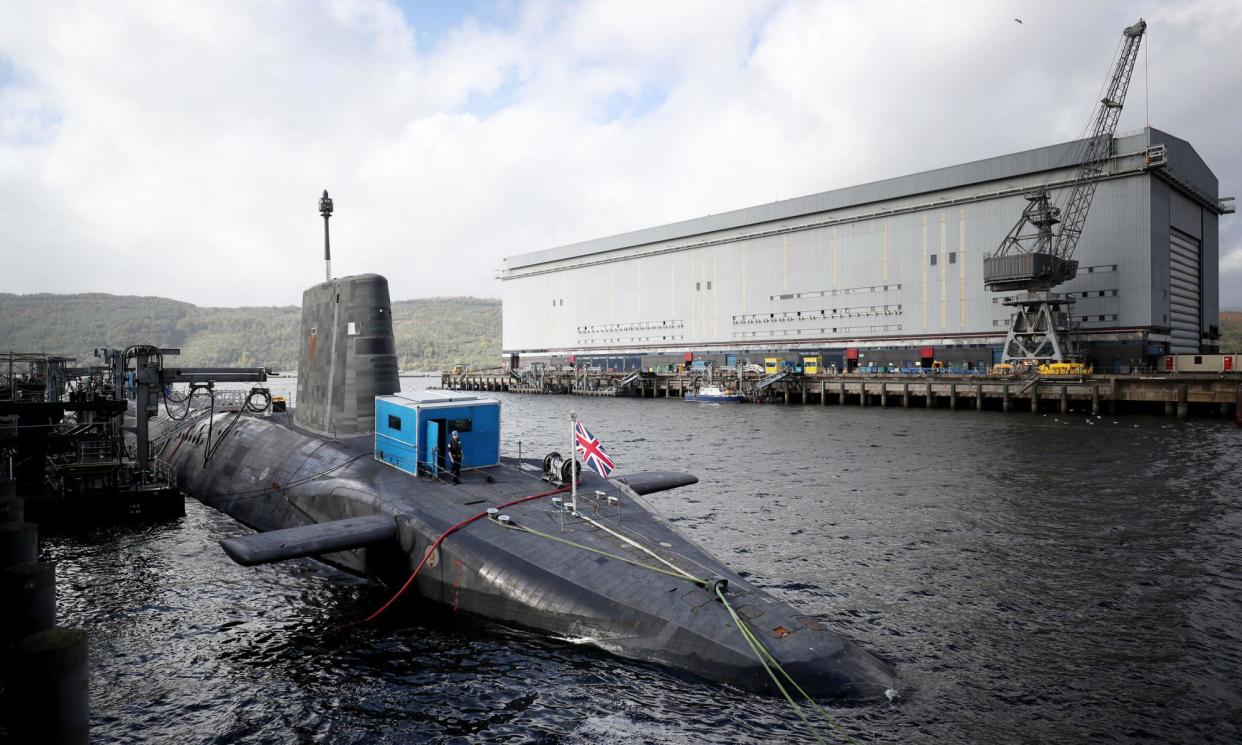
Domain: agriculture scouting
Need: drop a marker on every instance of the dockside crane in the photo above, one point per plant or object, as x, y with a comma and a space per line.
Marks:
1034, 258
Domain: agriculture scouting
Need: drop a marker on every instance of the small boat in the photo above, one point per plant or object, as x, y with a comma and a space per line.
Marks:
714, 394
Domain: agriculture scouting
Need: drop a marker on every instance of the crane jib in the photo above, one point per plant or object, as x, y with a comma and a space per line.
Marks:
1036, 256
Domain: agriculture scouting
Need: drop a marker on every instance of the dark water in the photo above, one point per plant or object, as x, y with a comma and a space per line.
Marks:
1036, 579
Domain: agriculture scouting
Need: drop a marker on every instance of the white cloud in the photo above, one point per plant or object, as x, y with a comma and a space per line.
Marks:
179, 149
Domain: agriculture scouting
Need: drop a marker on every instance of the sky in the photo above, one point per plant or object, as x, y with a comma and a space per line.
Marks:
179, 148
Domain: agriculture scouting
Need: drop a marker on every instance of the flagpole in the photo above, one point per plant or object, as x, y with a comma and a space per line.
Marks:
573, 461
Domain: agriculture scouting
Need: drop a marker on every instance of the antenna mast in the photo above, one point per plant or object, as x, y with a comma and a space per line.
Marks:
325, 209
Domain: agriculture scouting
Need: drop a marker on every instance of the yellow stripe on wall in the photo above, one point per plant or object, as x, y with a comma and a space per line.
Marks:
961, 268
884, 251
943, 264
925, 270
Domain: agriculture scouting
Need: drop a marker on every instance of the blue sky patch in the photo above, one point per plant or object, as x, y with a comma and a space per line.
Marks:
432, 21
624, 105
485, 103
7, 74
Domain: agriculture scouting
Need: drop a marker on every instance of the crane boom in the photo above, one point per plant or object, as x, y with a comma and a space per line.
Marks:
1034, 257
1099, 145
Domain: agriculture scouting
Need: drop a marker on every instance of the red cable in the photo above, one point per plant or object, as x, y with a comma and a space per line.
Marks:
444, 535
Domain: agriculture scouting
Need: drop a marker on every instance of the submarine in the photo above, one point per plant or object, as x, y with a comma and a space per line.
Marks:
352, 476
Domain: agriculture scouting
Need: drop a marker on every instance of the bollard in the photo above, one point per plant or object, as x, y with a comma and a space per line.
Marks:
19, 544
50, 694
12, 509
28, 596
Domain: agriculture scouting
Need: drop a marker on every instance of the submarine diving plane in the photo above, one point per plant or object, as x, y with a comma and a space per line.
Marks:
352, 477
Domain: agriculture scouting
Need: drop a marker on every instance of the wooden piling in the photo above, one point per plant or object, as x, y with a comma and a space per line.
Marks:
49, 682
18, 544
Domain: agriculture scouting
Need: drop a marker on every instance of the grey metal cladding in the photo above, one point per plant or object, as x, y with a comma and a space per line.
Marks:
347, 355
1183, 157
1038, 160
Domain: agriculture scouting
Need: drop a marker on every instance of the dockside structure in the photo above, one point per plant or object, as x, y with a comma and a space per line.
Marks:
888, 272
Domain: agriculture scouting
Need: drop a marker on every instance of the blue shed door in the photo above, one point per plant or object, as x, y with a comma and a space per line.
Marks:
433, 442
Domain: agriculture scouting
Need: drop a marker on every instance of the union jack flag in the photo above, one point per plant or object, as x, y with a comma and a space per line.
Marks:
593, 453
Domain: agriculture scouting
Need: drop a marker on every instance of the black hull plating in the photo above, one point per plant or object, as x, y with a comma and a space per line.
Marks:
270, 476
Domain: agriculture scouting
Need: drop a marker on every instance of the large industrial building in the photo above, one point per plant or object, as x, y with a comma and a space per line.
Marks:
886, 272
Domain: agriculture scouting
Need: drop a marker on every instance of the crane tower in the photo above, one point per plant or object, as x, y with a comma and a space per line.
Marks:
1034, 257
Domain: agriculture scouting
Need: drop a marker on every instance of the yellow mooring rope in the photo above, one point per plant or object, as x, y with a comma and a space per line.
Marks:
761, 652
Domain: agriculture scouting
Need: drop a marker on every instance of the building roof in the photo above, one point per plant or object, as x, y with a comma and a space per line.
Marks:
1181, 156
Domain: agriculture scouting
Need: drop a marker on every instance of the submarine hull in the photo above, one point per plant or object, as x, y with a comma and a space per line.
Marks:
570, 575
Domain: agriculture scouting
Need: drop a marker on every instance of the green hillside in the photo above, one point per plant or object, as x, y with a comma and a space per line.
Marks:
432, 333
1231, 331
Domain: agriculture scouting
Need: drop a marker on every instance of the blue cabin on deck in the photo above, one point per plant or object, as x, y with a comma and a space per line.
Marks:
413, 429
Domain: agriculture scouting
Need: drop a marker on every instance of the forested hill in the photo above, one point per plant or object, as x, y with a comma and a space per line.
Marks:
1231, 331
432, 333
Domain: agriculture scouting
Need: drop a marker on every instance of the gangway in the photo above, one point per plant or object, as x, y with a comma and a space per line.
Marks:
628, 379
776, 377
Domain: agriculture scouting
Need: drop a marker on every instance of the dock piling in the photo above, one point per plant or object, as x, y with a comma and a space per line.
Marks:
19, 544
12, 510
28, 593
50, 691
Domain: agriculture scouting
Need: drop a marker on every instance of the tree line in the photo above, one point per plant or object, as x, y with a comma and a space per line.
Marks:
431, 333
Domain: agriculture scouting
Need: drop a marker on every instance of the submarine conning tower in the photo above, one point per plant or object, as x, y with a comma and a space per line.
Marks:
348, 355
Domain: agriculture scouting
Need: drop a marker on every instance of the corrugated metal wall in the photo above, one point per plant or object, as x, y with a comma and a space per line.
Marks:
910, 272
